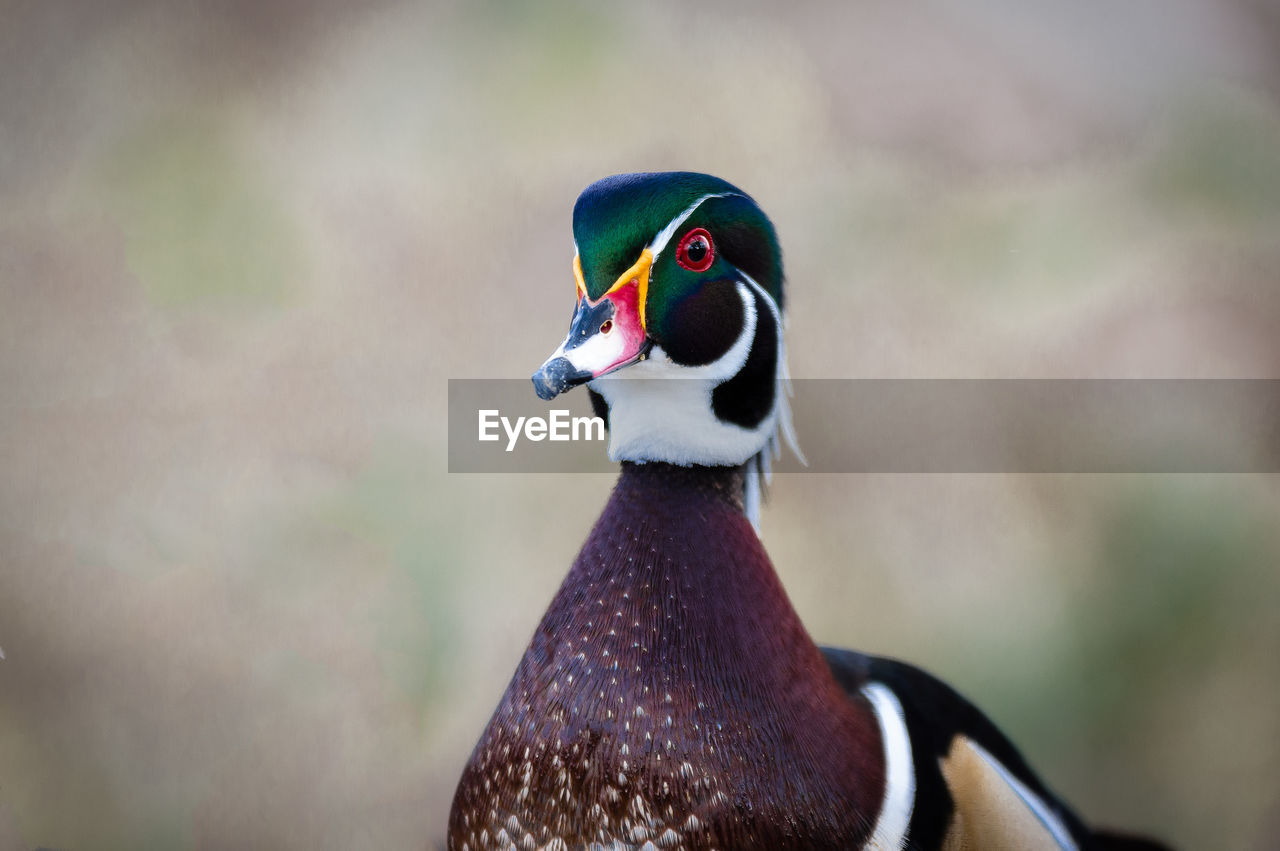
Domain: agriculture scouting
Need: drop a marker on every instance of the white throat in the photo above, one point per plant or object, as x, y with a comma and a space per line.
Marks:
662, 411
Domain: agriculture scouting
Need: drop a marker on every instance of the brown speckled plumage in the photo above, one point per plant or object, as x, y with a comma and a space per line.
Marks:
671, 698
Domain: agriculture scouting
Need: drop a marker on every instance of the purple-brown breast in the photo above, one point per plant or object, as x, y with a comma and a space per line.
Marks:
671, 696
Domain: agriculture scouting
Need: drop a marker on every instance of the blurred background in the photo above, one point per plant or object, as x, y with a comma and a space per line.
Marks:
243, 245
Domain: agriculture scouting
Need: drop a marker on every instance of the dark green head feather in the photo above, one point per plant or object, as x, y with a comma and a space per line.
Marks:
618, 217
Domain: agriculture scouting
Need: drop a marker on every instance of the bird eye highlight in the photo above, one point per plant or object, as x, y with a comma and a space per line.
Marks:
696, 251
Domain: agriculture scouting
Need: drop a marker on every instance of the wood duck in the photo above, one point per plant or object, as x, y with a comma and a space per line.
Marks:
671, 698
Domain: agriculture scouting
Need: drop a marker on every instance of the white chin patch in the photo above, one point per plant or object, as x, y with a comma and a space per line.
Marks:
661, 411
600, 351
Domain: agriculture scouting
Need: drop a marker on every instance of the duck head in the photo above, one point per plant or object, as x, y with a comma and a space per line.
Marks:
677, 328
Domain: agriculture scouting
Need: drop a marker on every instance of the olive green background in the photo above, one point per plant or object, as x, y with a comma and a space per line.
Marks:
244, 245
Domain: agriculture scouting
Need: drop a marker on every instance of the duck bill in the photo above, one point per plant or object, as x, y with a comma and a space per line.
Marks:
606, 334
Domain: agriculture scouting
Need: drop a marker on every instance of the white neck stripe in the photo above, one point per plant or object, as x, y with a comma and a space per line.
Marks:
890, 833
782, 400
664, 236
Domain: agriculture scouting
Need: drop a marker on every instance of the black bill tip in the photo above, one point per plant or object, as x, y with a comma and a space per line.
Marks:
556, 376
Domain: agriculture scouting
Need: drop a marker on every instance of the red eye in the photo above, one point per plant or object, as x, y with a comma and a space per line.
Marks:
695, 252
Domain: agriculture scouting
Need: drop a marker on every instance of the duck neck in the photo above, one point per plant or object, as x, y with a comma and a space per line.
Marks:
683, 577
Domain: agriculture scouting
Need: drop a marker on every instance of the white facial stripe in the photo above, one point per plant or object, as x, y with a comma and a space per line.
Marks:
733, 360
1034, 802
597, 352
890, 832
664, 236
764, 294
782, 403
